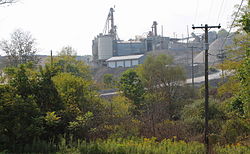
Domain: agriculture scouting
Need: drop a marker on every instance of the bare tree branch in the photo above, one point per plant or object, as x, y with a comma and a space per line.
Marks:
2, 2
20, 49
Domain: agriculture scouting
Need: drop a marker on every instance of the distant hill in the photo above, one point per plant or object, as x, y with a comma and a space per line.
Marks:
44, 58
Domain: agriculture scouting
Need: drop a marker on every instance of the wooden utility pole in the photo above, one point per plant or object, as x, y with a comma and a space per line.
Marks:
192, 71
206, 28
51, 58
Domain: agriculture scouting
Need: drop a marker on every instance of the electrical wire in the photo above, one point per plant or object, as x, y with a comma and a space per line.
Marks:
231, 25
196, 11
220, 12
210, 10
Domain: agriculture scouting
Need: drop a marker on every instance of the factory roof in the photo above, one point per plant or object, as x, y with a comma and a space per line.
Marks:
126, 42
129, 57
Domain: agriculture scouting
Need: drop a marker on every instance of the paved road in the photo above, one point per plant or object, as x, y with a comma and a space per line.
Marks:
202, 78
197, 80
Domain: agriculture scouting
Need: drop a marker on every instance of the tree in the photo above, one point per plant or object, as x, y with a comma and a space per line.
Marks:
82, 106
108, 80
159, 75
118, 118
237, 87
162, 81
66, 62
222, 33
67, 51
245, 19
238, 83
20, 114
131, 86
20, 49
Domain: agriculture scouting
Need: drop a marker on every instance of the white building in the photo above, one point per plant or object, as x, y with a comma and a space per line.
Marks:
125, 61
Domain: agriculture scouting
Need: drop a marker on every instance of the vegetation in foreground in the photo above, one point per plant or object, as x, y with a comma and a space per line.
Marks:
128, 146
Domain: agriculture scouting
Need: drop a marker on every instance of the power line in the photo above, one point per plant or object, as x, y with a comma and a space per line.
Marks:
209, 11
220, 11
231, 25
196, 10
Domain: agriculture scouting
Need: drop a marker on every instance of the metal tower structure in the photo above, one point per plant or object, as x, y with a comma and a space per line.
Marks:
110, 28
154, 28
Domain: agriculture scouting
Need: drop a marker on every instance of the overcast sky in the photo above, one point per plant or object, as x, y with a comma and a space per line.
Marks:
58, 23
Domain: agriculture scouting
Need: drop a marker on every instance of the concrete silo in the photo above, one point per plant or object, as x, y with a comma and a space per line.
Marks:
105, 47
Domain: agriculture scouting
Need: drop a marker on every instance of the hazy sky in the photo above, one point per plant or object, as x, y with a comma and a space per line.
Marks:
58, 23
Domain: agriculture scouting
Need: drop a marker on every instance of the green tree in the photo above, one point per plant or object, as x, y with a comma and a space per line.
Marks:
21, 120
69, 64
75, 90
237, 86
161, 78
119, 121
82, 106
238, 83
131, 86
45, 90
245, 19
108, 80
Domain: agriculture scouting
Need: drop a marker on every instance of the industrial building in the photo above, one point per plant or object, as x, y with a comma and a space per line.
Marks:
125, 61
107, 47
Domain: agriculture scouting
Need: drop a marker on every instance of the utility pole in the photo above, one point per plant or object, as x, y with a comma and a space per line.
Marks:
51, 58
187, 36
192, 47
222, 56
206, 28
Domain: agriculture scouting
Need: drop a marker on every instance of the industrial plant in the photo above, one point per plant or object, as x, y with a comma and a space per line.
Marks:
109, 50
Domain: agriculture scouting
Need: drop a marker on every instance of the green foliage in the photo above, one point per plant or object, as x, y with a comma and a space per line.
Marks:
131, 86
118, 117
75, 90
193, 115
20, 119
41, 104
81, 121
45, 90
234, 129
159, 74
232, 149
81, 125
239, 63
69, 64
146, 146
245, 19
119, 107
108, 80
162, 80
51, 119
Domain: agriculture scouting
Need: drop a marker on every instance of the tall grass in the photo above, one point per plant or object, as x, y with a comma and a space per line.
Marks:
127, 146
141, 146
232, 149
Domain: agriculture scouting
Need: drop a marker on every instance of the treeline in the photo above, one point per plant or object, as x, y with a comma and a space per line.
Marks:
40, 107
